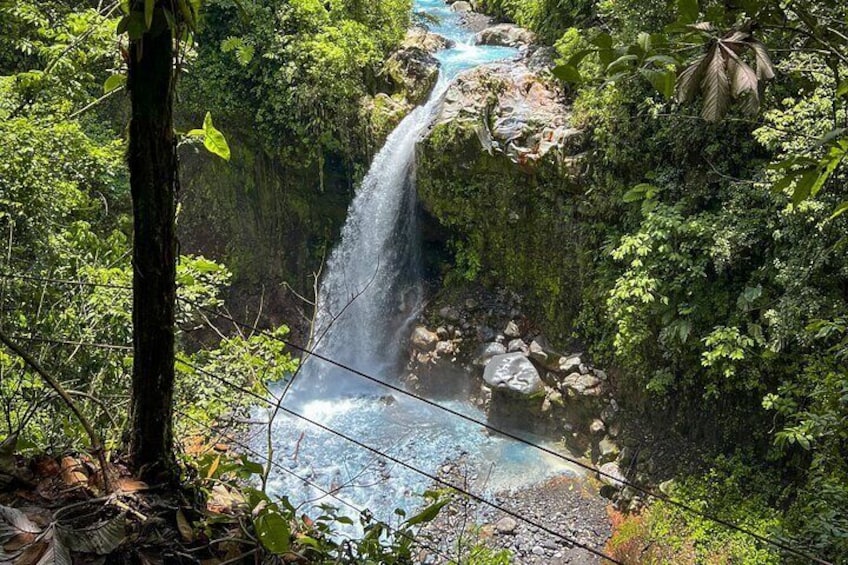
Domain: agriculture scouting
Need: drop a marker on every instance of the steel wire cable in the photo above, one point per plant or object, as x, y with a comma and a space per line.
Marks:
616, 479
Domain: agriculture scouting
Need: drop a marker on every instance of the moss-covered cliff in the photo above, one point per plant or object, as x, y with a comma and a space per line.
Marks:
500, 171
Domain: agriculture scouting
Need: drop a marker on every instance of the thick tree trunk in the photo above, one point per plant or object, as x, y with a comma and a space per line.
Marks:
153, 180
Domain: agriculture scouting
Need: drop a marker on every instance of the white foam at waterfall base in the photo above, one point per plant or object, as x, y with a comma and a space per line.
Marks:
369, 294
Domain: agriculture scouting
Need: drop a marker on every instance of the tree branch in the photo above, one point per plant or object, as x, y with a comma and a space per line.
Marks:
96, 444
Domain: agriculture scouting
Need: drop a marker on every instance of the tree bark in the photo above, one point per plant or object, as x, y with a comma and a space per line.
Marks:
153, 181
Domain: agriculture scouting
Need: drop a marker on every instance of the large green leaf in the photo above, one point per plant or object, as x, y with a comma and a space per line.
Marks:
214, 140
688, 10
113, 82
148, 13
567, 73
273, 531
428, 514
663, 81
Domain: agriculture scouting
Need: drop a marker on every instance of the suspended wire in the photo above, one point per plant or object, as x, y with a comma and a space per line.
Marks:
107, 346
47, 280
617, 479
571, 541
549, 451
317, 487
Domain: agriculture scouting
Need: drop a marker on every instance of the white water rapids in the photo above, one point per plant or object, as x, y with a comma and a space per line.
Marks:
370, 293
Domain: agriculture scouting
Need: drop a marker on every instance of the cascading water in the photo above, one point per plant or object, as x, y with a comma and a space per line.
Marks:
369, 294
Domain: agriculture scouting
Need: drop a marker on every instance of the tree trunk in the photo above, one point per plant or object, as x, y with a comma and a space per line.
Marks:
153, 181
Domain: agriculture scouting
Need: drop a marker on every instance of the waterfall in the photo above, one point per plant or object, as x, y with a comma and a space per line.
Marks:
371, 289
369, 295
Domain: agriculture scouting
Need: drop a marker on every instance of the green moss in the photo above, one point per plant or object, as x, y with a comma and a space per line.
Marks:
509, 226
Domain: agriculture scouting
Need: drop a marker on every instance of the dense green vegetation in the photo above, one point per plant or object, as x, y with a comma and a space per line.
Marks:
300, 138
706, 260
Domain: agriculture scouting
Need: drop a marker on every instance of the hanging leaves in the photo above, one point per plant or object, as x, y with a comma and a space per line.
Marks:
721, 75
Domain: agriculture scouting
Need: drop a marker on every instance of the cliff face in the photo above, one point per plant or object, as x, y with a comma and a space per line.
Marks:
272, 218
499, 170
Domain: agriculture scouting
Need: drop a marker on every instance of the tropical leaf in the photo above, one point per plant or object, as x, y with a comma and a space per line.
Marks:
841, 209
567, 73
765, 68
100, 539
715, 86
689, 81
113, 82
57, 552
702, 26
663, 81
428, 514
16, 533
214, 140
688, 9
744, 84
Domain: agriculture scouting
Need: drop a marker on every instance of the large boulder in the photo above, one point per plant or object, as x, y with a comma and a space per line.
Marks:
583, 385
500, 168
423, 339
412, 71
513, 111
507, 35
487, 351
513, 373
611, 475
420, 38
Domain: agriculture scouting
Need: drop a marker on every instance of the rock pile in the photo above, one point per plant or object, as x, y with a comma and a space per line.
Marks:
518, 377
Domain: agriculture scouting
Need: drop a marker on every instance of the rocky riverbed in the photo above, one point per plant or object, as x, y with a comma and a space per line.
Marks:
569, 506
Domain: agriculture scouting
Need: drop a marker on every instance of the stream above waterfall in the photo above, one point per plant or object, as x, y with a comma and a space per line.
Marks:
370, 294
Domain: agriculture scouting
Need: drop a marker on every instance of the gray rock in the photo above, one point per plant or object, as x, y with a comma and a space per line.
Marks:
570, 363
461, 6
517, 346
413, 71
584, 385
508, 35
600, 374
445, 348
423, 339
426, 40
607, 450
506, 525
513, 372
487, 352
449, 313
610, 412
512, 330
612, 475
543, 356
597, 427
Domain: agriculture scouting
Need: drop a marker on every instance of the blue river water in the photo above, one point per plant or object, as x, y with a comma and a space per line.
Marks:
368, 298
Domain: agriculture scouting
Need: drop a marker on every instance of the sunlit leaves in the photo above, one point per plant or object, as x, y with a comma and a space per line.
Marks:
244, 51
213, 139
114, 82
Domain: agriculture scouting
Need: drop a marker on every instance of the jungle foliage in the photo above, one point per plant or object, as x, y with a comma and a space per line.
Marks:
713, 216
66, 271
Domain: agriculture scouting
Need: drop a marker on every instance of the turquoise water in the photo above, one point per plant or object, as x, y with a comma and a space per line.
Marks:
465, 55
376, 262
